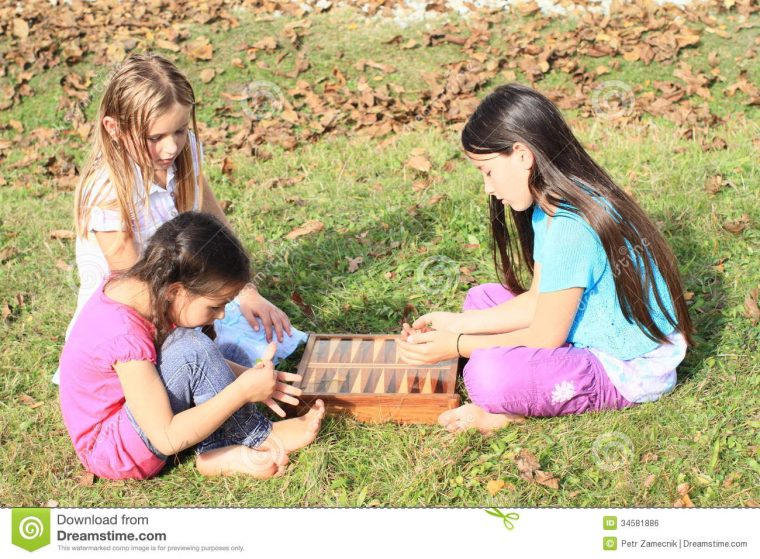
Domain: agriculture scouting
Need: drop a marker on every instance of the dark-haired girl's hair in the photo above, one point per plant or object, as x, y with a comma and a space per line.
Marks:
564, 175
195, 250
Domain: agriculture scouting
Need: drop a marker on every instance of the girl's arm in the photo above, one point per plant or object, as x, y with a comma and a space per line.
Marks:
511, 315
119, 248
554, 315
555, 312
169, 433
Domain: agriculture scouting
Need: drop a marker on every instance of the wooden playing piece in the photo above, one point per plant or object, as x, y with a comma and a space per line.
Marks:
362, 375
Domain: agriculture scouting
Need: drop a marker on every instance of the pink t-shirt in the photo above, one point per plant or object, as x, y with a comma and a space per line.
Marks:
91, 396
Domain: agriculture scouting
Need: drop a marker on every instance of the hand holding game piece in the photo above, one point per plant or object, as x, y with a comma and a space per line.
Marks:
448, 321
260, 380
420, 348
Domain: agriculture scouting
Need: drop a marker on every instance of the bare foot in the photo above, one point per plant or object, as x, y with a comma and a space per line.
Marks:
260, 463
471, 416
292, 434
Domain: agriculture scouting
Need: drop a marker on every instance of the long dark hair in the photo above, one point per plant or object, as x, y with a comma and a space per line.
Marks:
564, 175
195, 250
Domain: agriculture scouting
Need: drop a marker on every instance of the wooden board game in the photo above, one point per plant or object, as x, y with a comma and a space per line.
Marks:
362, 375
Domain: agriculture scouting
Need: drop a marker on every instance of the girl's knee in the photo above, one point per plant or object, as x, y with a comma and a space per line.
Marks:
490, 385
485, 296
189, 346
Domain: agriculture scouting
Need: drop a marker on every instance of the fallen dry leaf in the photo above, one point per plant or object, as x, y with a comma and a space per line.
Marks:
62, 234
228, 167
200, 49
86, 479
435, 199
298, 300
494, 486
7, 253
738, 225
683, 501
207, 75
419, 163
30, 402
732, 477
307, 228
715, 184
20, 28
751, 309
529, 468
354, 263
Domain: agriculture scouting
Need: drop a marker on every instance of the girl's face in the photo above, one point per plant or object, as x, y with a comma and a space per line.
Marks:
506, 176
190, 311
167, 135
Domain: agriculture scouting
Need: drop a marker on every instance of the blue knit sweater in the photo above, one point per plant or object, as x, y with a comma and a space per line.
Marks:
571, 255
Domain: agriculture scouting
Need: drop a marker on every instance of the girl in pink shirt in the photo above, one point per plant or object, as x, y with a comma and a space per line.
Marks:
128, 407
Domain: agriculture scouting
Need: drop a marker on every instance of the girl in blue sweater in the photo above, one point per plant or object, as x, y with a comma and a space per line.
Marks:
589, 312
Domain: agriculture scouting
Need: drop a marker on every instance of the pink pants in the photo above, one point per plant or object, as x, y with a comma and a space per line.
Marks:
535, 382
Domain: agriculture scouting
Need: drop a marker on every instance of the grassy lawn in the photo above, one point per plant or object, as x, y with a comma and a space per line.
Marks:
704, 434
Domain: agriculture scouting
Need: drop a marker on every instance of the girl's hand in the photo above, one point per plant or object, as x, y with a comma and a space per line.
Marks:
254, 306
448, 321
422, 348
265, 384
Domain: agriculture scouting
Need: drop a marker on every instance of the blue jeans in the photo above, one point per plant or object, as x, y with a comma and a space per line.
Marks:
193, 370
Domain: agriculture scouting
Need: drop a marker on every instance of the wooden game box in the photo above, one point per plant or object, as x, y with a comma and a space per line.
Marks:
363, 376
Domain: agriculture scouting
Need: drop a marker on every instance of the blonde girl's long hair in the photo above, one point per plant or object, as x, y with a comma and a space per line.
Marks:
140, 89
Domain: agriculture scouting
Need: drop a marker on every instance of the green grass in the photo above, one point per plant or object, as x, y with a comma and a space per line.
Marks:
703, 433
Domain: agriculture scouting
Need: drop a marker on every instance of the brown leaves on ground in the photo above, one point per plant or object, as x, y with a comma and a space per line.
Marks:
751, 309
29, 402
495, 485
683, 500
298, 300
40, 39
10, 310
62, 234
419, 163
312, 226
529, 468
355, 97
737, 226
354, 263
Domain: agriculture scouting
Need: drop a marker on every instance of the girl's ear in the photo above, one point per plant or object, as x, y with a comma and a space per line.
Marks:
523, 154
173, 291
111, 127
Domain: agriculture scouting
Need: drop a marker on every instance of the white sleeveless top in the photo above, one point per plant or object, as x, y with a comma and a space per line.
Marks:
91, 262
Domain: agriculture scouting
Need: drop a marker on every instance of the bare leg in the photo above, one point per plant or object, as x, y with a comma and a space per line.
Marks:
292, 434
471, 416
260, 463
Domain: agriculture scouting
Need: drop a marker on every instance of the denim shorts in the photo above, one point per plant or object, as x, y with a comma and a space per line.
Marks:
193, 371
